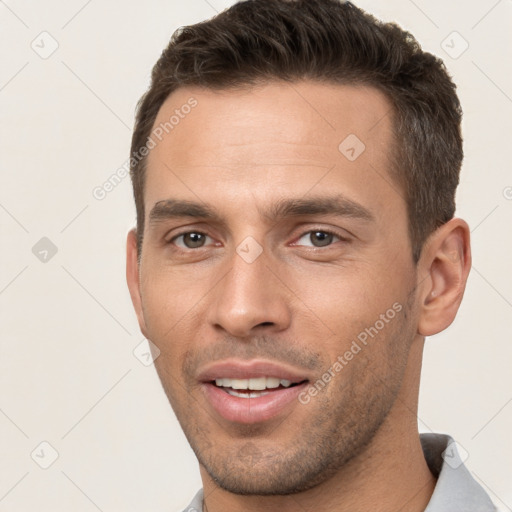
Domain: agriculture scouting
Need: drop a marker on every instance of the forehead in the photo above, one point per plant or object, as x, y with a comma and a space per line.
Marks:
306, 113
286, 138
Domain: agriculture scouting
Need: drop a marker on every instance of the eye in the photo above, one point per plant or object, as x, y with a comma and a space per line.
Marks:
190, 240
318, 238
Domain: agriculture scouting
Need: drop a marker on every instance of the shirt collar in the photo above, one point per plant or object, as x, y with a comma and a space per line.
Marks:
456, 490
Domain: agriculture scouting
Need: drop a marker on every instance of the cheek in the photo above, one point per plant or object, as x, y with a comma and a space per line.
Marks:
352, 316
166, 324
169, 296
347, 298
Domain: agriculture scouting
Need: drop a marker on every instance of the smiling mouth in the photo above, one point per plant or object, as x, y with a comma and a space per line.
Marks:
254, 387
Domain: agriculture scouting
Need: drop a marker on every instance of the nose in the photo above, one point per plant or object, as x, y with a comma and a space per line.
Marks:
250, 297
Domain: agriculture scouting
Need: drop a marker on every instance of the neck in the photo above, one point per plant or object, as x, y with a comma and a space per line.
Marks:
390, 474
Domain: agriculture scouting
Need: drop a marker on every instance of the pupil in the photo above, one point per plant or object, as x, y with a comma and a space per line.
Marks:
193, 239
322, 237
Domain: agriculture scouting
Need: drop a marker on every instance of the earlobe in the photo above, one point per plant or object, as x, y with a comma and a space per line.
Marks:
445, 266
132, 278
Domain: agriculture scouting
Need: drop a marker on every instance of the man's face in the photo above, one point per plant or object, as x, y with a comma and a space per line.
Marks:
263, 293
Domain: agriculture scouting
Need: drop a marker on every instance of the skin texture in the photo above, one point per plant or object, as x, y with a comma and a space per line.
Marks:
301, 302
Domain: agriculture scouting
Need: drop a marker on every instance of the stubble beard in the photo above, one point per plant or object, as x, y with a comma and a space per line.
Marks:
343, 420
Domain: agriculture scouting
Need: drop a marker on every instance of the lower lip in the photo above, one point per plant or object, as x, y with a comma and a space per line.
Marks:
251, 410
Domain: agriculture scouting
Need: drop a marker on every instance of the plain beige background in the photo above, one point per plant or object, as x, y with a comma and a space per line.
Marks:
73, 374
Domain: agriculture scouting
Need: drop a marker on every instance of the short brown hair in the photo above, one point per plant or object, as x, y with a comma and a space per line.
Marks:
256, 41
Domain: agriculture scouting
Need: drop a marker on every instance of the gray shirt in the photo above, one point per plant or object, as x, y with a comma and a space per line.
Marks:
456, 490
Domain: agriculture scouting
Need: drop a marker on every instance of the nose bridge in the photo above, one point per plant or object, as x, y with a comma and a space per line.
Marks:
249, 295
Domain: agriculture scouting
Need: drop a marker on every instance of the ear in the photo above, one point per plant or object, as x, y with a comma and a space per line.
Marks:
132, 278
443, 269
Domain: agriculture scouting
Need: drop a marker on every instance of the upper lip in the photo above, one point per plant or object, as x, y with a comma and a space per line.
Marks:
241, 369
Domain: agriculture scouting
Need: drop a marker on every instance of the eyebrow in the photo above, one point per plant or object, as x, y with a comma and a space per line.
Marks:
337, 205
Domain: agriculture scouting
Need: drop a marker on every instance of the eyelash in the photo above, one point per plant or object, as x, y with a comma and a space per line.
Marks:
327, 231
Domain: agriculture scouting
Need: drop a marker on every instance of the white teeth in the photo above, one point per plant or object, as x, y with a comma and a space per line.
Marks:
256, 394
258, 384
272, 382
233, 383
238, 383
254, 384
